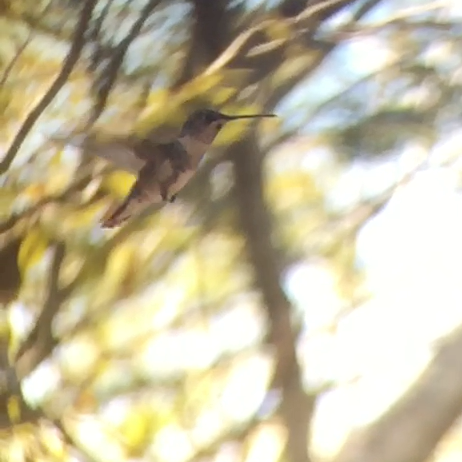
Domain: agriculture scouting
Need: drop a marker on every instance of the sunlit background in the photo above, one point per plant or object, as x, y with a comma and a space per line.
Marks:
156, 340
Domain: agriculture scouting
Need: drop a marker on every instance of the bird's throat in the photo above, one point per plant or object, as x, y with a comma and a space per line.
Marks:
195, 148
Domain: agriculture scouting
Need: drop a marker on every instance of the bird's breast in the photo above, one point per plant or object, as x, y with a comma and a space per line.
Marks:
182, 180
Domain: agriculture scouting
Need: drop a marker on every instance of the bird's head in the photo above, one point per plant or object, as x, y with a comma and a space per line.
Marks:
205, 124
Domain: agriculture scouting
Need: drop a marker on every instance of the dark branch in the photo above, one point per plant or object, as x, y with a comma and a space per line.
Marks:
95, 37
10, 276
210, 33
40, 341
255, 220
109, 74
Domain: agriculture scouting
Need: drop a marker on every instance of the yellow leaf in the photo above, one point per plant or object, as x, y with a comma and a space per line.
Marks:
137, 430
117, 270
35, 191
14, 409
32, 249
199, 86
85, 216
155, 114
118, 183
56, 159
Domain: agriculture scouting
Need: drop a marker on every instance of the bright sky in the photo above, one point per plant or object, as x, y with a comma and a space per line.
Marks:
412, 253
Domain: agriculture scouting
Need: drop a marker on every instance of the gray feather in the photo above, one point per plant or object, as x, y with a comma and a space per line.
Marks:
118, 152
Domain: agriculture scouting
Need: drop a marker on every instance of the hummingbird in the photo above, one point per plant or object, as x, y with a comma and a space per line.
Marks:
170, 166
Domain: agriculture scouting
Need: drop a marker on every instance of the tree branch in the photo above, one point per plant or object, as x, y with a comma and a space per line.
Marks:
71, 441
23, 47
40, 341
66, 70
78, 184
13, 408
10, 276
109, 74
256, 224
94, 35
210, 32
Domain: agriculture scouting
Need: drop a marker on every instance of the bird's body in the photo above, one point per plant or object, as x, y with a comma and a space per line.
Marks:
164, 169
167, 171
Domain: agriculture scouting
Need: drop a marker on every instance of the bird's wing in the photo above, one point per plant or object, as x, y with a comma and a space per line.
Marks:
152, 174
129, 153
118, 151
132, 153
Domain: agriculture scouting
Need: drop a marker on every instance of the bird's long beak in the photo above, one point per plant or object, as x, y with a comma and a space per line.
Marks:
247, 116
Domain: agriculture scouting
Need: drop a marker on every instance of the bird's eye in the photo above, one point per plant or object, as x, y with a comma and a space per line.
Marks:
219, 125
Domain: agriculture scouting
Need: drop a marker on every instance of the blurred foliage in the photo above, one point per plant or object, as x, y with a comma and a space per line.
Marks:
151, 342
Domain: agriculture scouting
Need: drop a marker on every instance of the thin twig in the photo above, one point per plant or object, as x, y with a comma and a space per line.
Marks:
66, 70
71, 441
95, 36
240, 41
23, 47
401, 23
77, 185
110, 73
40, 341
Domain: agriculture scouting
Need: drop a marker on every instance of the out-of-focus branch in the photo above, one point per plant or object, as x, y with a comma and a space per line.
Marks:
297, 407
94, 36
347, 225
71, 441
320, 10
23, 47
41, 341
413, 427
22, 18
10, 276
13, 408
77, 185
401, 21
15, 59
292, 8
256, 224
303, 24
210, 32
69, 63
110, 73
296, 78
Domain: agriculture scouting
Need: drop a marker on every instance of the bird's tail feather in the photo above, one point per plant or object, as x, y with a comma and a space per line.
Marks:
132, 206
114, 217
